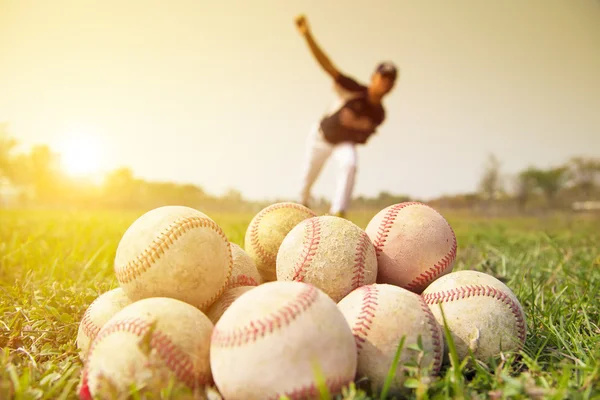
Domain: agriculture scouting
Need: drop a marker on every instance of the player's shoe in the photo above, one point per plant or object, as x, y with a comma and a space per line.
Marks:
341, 214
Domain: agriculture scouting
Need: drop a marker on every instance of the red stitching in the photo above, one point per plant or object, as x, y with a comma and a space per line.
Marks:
359, 260
481, 290
241, 280
266, 256
259, 328
84, 388
421, 281
382, 234
363, 322
310, 391
90, 329
134, 268
227, 299
436, 337
176, 359
312, 238
386, 224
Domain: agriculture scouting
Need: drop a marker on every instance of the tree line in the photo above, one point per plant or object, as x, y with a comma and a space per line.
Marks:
557, 187
35, 178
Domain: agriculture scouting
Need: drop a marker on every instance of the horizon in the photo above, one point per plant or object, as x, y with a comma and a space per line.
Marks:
503, 79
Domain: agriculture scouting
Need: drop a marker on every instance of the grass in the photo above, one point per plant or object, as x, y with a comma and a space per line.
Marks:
53, 264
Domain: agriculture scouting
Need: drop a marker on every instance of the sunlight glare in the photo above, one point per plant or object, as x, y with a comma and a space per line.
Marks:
80, 155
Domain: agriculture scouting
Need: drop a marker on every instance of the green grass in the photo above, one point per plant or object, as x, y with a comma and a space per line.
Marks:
53, 264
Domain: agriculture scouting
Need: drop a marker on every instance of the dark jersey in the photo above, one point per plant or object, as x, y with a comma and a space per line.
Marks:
353, 118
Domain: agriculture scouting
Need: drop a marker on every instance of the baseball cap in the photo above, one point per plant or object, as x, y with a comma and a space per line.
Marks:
387, 69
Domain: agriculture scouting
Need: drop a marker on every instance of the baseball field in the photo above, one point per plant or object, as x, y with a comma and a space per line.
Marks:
53, 264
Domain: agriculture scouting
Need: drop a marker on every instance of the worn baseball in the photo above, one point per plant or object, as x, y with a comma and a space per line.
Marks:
380, 315
267, 230
149, 345
243, 271
271, 338
177, 252
103, 308
215, 311
482, 313
332, 253
414, 244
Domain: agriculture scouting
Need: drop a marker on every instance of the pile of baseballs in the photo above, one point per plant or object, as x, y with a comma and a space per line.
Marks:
309, 302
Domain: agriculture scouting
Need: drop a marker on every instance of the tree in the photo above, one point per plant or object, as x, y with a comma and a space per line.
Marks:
585, 174
7, 146
121, 188
524, 187
45, 173
233, 196
490, 184
549, 181
21, 170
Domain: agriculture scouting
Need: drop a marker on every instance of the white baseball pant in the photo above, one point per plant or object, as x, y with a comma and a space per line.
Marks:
318, 150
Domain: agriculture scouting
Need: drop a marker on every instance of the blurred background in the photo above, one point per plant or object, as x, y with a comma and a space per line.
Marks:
138, 104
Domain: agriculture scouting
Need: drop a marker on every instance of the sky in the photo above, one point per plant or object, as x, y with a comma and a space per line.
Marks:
223, 94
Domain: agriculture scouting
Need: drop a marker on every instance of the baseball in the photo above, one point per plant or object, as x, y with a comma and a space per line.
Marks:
482, 313
176, 252
414, 243
149, 345
329, 252
101, 310
215, 311
243, 271
267, 230
267, 343
380, 315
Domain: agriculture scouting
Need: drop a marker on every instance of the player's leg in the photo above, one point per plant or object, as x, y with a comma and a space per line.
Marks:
317, 152
346, 158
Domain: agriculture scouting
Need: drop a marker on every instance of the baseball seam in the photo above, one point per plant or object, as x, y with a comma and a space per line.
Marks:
259, 328
359, 260
386, 224
312, 238
175, 359
134, 268
334, 385
89, 327
241, 280
362, 325
223, 287
435, 336
265, 255
481, 290
421, 281
163, 242
227, 299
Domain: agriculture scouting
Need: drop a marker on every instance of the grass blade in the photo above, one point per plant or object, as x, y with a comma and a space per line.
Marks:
458, 379
392, 372
320, 381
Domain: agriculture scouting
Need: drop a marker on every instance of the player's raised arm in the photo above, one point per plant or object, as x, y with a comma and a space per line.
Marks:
323, 60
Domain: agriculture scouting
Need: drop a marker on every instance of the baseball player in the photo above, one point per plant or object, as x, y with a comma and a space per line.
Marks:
355, 115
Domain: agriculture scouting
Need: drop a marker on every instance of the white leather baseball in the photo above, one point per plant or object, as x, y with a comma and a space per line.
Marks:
265, 344
149, 344
332, 253
266, 232
380, 315
414, 244
177, 252
482, 313
243, 271
217, 309
103, 308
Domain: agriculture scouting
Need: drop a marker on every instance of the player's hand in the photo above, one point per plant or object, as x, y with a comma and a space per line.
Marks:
302, 24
